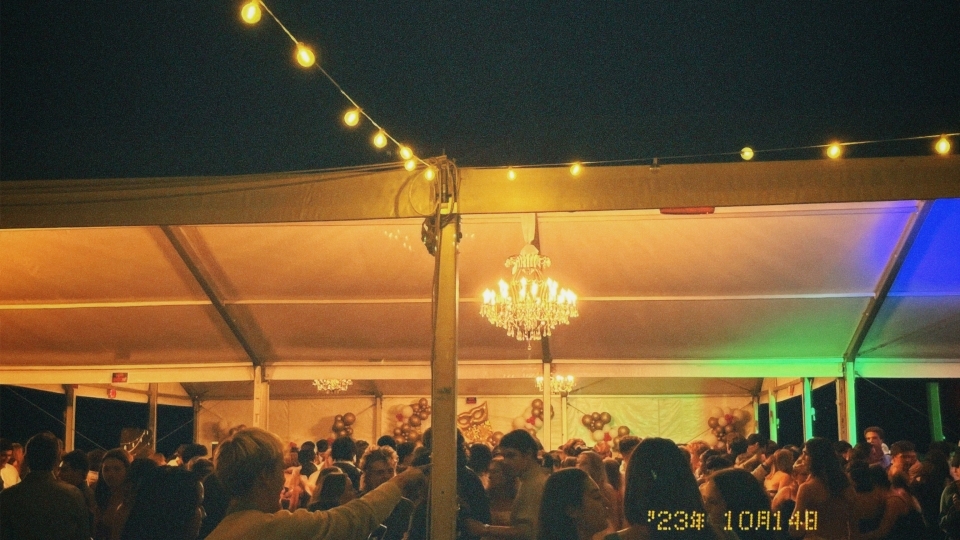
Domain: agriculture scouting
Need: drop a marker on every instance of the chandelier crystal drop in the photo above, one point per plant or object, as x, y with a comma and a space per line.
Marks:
529, 306
332, 385
558, 384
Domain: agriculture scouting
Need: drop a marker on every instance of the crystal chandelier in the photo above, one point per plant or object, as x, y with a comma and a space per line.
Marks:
529, 307
558, 384
332, 385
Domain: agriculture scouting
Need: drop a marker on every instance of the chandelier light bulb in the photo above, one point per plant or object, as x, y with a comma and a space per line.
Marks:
746, 153
576, 169
250, 12
305, 55
380, 139
943, 146
410, 165
406, 152
351, 117
834, 151
511, 174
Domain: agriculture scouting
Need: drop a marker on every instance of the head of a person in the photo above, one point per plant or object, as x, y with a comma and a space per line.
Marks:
306, 454
591, 463
73, 468
168, 505
716, 463
362, 446
43, 450
738, 446
114, 469
6, 451
461, 445
612, 467
191, 451
903, 454
343, 449
500, 477
843, 449
378, 464
824, 464
322, 446
335, 489
874, 436
738, 492
201, 467
755, 443
405, 455
479, 458
627, 444
387, 440
660, 479
571, 501
519, 451
783, 461
696, 449
249, 461
95, 457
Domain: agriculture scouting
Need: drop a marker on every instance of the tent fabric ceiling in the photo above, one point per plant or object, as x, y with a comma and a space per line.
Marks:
768, 284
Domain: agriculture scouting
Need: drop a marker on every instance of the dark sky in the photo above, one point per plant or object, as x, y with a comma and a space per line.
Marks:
112, 89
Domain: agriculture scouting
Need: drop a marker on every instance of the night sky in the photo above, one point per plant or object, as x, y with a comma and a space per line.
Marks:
144, 89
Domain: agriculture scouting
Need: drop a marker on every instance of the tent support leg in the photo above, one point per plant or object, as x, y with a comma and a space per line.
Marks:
546, 434
847, 403
70, 418
196, 419
756, 414
261, 399
933, 404
563, 418
377, 417
443, 487
809, 414
152, 397
772, 416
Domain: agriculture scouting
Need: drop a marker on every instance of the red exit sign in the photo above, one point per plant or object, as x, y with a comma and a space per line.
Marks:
119, 377
471, 401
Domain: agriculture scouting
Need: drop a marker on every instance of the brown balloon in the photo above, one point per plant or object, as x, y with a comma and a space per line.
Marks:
348, 431
405, 429
413, 436
423, 415
416, 408
397, 432
415, 421
712, 423
623, 431
349, 419
586, 420
595, 416
338, 418
537, 404
423, 402
537, 412
399, 440
605, 418
339, 425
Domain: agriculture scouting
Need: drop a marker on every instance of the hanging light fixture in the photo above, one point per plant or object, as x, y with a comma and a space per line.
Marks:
558, 384
529, 306
332, 385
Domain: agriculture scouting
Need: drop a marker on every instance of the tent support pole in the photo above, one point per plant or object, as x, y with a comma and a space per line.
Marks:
261, 399
546, 434
933, 404
756, 413
442, 512
152, 397
809, 414
70, 418
196, 419
563, 418
772, 416
377, 416
847, 404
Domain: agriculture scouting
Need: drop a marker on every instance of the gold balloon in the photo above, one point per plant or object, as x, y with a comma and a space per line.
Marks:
423, 402
605, 418
413, 436
595, 416
423, 415
349, 418
405, 429
537, 404
339, 425
338, 418
397, 432
416, 408
415, 421
586, 420
348, 431
623, 431
399, 440
537, 412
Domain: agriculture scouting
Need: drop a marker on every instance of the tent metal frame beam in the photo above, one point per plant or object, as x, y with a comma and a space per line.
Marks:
364, 195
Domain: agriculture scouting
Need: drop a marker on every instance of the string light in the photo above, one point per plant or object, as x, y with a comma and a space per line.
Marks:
405, 152
943, 145
305, 56
511, 174
250, 12
746, 153
429, 174
410, 165
380, 139
834, 151
352, 117
576, 169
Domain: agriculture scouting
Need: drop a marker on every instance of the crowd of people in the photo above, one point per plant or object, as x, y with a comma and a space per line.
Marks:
255, 486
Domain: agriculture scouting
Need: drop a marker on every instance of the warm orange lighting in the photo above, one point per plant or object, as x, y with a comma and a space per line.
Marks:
305, 56
430, 173
511, 174
380, 139
834, 151
405, 152
250, 12
576, 169
352, 117
746, 153
943, 146
410, 165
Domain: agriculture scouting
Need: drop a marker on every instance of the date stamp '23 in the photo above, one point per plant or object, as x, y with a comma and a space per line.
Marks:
746, 520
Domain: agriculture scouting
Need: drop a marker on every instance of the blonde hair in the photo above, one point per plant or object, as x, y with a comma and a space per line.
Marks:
244, 456
374, 454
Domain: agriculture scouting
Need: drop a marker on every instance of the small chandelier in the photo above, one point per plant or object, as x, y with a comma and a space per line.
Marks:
529, 307
558, 384
332, 385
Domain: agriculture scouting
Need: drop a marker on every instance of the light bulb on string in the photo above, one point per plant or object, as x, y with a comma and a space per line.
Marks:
380, 139
305, 55
410, 165
834, 151
746, 153
943, 145
576, 169
351, 117
511, 174
405, 152
250, 12
429, 174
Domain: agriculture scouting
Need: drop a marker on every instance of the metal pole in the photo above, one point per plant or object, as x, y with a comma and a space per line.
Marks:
547, 392
377, 416
809, 414
152, 396
443, 481
774, 421
196, 419
756, 414
933, 404
70, 418
261, 399
850, 406
563, 418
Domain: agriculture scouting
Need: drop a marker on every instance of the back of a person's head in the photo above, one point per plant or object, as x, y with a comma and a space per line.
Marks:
841, 447
612, 467
825, 465
43, 449
563, 490
322, 446
376, 454
201, 467
246, 455
758, 439
738, 446
95, 457
900, 447
332, 487
480, 456
191, 451
405, 449
165, 506
387, 440
343, 449
592, 464
783, 460
743, 494
521, 441
76, 460
716, 463
859, 473
306, 454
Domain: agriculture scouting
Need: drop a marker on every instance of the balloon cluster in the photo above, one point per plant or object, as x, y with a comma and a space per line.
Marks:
532, 417
727, 422
475, 426
410, 421
597, 422
622, 432
343, 424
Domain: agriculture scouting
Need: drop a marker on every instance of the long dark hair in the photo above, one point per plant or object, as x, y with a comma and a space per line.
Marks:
564, 488
825, 465
743, 494
165, 506
102, 491
660, 479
